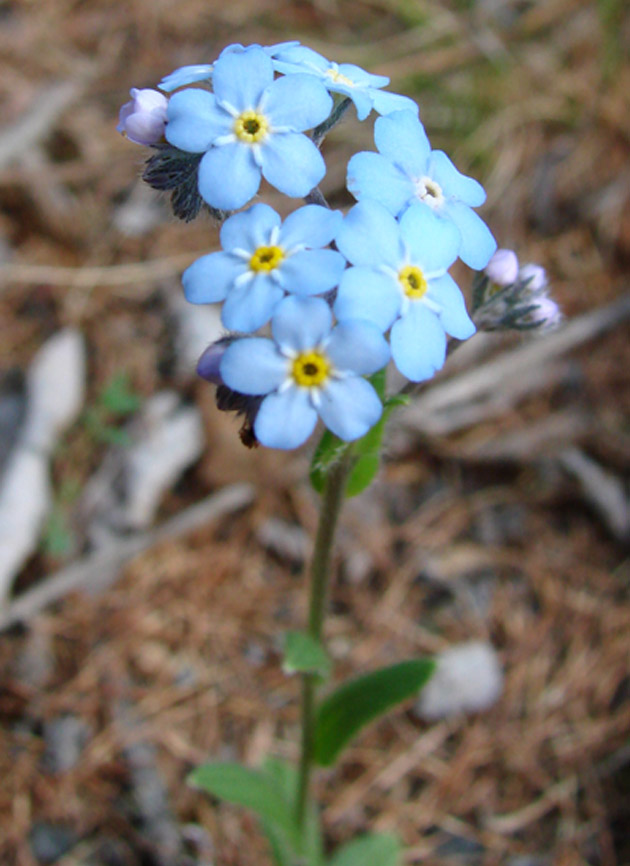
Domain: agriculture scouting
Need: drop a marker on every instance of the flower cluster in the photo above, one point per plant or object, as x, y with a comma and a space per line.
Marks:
339, 296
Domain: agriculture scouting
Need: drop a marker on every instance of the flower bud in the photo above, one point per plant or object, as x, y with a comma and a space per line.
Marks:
503, 267
208, 366
545, 316
143, 118
533, 277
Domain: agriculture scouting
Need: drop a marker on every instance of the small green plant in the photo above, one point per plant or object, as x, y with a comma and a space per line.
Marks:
115, 402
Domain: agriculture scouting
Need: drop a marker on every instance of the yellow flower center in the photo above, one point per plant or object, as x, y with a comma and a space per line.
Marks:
266, 259
338, 78
429, 191
251, 127
413, 281
310, 369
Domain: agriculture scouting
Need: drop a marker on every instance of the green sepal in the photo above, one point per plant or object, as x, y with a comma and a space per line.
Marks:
356, 703
305, 655
376, 849
286, 777
252, 789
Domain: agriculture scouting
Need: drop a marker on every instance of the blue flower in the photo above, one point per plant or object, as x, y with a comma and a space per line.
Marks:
308, 369
203, 71
250, 125
406, 171
362, 87
262, 259
400, 281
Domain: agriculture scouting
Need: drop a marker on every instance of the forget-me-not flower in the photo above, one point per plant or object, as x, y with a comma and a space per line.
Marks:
362, 87
262, 259
250, 126
308, 369
203, 71
407, 172
399, 280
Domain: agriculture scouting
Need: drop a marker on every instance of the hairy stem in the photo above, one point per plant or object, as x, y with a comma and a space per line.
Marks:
332, 500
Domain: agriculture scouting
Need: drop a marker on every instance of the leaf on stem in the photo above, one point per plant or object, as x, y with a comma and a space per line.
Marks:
286, 776
249, 788
305, 655
356, 703
366, 452
377, 849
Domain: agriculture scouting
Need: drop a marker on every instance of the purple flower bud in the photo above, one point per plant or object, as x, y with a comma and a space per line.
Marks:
143, 119
534, 276
210, 362
503, 268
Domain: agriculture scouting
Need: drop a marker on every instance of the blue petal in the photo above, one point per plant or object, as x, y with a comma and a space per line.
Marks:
296, 101
251, 306
301, 323
292, 163
310, 226
455, 184
359, 347
311, 272
285, 420
433, 241
194, 121
240, 78
370, 236
300, 59
228, 176
349, 407
454, 316
478, 244
418, 343
361, 77
186, 75
366, 294
362, 99
371, 175
250, 229
209, 278
385, 102
400, 137
253, 365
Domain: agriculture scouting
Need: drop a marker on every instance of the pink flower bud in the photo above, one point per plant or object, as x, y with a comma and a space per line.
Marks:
503, 268
545, 317
535, 276
143, 119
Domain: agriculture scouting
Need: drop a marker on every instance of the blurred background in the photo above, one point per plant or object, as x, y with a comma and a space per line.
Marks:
149, 562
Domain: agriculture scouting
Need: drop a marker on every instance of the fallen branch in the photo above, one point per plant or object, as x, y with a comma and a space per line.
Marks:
99, 570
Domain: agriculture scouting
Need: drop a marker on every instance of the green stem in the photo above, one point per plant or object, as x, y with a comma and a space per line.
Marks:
332, 500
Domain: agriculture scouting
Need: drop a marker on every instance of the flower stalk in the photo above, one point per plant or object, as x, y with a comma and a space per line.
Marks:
332, 501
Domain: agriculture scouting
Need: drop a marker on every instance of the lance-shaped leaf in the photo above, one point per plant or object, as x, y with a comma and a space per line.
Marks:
356, 703
377, 849
286, 777
305, 655
249, 788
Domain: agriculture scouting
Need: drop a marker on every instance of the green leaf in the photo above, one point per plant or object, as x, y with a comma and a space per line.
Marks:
286, 776
377, 849
303, 654
249, 788
118, 396
329, 451
356, 703
368, 449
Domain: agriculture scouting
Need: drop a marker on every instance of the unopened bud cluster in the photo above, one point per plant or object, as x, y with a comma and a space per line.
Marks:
507, 296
